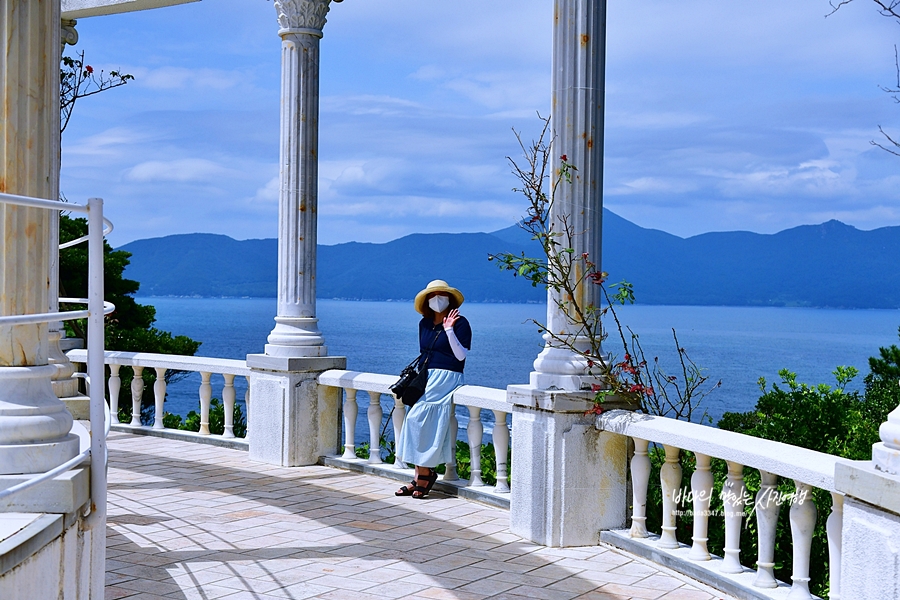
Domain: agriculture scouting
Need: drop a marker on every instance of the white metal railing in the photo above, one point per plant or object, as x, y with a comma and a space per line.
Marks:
206, 367
474, 398
96, 309
806, 468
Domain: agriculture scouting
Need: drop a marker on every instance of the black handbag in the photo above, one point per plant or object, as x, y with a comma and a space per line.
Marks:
413, 378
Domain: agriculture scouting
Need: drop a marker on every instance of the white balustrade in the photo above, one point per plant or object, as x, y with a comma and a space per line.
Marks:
398, 417
833, 527
501, 451
450, 473
475, 398
733, 500
351, 411
137, 392
702, 491
375, 415
115, 385
228, 398
808, 469
205, 399
803, 524
159, 397
161, 363
670, 479
640, 481
766, 508
475, 433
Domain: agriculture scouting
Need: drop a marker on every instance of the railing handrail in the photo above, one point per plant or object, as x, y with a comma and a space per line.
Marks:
467, 395
178, 362
800, 464
99, 411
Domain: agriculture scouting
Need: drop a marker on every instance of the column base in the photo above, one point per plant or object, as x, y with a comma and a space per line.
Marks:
34, 425
870, 563
569, 479
561, 369
296, 337
37, 458
295, 420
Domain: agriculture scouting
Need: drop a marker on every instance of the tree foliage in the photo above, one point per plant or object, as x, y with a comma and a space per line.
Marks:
130, 327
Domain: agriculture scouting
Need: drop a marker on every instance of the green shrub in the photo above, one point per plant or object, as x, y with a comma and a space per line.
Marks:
216, 420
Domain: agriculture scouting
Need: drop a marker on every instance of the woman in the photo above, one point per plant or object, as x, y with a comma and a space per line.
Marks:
445, 336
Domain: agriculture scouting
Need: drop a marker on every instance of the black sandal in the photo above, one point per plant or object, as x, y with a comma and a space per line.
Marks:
423, 491
407, 490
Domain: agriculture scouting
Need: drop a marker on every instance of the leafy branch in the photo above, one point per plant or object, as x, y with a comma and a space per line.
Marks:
569, 273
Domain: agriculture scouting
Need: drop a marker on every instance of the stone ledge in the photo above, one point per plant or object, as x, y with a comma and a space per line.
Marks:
739, 585
185, 436
460, 488
863, 481
304, 364
27, 541
65, 493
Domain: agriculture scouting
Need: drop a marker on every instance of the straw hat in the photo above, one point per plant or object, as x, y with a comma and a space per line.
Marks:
438, 285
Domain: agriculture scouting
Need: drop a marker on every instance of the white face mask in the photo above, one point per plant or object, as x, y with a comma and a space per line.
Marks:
439, 303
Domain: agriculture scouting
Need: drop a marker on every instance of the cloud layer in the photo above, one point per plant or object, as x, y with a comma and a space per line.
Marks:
718, 116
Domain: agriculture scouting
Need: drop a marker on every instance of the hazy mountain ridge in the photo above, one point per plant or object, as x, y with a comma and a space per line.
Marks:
826, 265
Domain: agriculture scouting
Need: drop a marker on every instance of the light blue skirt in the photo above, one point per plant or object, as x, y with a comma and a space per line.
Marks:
425, 438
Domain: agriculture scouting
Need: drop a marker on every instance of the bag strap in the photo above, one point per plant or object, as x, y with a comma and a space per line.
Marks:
426, 354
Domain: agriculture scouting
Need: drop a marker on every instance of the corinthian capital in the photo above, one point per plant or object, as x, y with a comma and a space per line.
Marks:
302, 16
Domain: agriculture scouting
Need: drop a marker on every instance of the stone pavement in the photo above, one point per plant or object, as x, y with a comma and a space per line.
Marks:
191, 521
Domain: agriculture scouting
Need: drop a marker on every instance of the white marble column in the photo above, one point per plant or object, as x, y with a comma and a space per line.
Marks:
296, 332
64, 385
300, 418
34, 425
579, 56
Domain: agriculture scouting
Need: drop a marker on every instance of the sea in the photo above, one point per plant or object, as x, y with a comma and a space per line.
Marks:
735, 345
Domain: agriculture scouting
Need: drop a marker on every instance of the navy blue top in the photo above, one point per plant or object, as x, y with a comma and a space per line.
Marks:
441, 353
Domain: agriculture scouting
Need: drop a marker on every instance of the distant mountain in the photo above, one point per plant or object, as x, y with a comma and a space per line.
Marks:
827, 265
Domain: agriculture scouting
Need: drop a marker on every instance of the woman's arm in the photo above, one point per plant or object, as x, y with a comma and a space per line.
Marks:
458, 350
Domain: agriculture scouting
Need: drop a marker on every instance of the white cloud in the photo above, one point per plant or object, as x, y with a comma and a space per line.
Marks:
173, 78
182, 170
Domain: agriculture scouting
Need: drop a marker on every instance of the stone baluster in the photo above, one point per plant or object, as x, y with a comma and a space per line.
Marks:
475, 434
803, 523
733, 493
670, 478
766, 508
702, 490
450, 473
501, 451
159, 397
834, 526
228, 398
205, 399
640, 480
398, 417
351, 410
115, 385
247, 408
137, 392
375, 414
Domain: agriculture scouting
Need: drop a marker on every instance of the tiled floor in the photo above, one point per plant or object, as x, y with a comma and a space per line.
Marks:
191, 521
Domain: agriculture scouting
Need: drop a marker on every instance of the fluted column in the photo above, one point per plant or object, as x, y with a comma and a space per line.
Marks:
579, 56
34, 424
296, 332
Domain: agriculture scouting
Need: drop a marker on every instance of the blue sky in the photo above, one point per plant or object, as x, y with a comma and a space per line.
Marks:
720, 116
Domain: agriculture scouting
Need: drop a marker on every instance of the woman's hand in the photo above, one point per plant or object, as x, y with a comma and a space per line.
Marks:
451, 319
